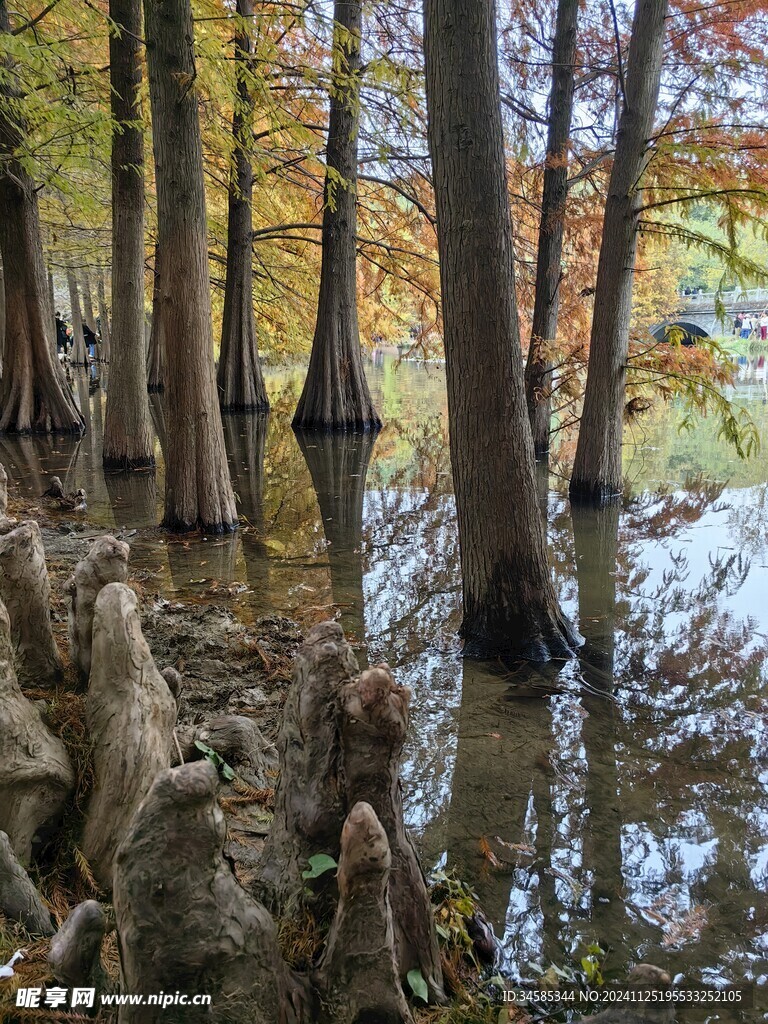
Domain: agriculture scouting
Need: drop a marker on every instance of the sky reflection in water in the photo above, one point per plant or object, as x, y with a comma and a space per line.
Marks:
623, 796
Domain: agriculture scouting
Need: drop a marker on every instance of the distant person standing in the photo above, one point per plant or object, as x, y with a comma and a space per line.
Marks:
746, 326
91, 340
61, 334
737, 326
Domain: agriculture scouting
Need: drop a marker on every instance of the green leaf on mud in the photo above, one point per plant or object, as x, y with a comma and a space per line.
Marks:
318, 865
418, 986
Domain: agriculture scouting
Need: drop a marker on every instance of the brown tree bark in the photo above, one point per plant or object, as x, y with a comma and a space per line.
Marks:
597, 473
240, 380
33, 393
79, 353
336, 394
156, 347
87, 303
104, 325
510, 607
198, 492
2, 314
538, 368
52, 304
128, 440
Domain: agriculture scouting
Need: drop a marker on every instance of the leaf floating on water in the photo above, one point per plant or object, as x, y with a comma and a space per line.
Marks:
517, 847
687, 928
487, 852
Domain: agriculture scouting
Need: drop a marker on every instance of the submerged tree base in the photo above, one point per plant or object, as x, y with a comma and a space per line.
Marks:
254, 407
122, 464
302, 425
550, 638
174, 525
597, 493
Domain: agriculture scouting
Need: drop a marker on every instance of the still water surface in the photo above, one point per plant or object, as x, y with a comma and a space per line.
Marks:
621, 798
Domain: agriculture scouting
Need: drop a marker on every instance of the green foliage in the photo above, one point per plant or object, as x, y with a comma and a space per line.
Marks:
319, 864
418, 985
210, 754
454, 904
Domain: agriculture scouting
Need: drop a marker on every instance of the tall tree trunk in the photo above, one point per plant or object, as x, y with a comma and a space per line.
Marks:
597, 475
34, 395
510, 607
104, 325
538, 369
155, 357
2, 315
52, 304
87, 304
240, 380
79, 355
336, 394
198, 492
128, 440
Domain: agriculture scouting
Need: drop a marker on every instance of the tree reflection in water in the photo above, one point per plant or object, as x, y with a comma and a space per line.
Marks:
625, 788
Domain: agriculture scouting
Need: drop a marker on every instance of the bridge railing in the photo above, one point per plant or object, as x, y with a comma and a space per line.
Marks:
735, 297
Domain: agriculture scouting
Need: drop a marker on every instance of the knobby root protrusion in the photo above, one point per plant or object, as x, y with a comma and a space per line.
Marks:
106, 562
341, 743
26, 592
358, 977
374, 727
75, 953
183, 920
19, 899
238, 741
130, 714
36, 775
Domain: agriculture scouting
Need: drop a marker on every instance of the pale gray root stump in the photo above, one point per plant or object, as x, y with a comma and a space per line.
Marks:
175, 680
75, 953
6, 524
36, 775
358, 977
642, 976
19, 899
310, 804
374, 727
130, 713
239, 741
183, 921
106, 562
340, 743
26, 592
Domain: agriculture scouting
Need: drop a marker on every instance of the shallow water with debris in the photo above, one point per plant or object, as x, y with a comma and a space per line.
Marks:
620, 798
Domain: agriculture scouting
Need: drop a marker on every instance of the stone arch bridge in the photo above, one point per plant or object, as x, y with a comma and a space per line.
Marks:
698, 316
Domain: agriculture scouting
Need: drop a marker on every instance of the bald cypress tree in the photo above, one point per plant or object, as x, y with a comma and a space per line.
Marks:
510, 606
336, 394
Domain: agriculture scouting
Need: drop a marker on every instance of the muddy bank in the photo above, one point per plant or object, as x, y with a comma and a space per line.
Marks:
229, 667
